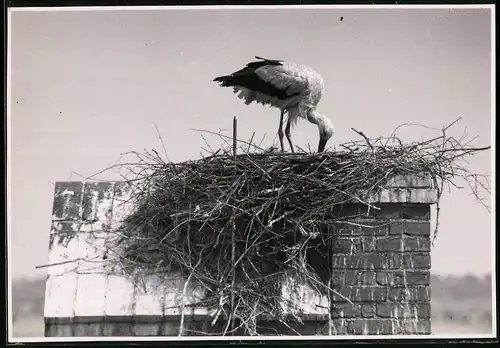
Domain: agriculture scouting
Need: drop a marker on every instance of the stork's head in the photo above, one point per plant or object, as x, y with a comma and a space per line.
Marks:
325, 127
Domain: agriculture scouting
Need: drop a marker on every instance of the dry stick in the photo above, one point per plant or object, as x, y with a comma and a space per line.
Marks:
184, 293
465, 150
227, 137
188, 279
233, 242
331, 308
250, 142
364, 136
412, 124
58, 263
162, 143
451, 124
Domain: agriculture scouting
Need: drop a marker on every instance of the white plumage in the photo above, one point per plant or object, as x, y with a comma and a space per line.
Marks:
293, 88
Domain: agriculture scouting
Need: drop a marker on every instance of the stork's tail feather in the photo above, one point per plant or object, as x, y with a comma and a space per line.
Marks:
246, 75
222, 80
271, 61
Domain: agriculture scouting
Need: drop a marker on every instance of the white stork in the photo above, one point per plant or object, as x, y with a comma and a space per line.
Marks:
293, 88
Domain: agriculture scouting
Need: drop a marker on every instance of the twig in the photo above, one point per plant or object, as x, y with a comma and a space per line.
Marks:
364, 136
162, 143
227, 137
58, 263
233, 234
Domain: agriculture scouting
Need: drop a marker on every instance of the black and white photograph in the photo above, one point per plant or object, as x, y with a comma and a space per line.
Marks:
250, 172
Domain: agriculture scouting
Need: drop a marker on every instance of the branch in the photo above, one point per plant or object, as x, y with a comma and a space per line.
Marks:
364, 136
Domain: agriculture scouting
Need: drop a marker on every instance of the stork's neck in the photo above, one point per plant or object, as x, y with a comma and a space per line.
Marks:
316, 118
324, 124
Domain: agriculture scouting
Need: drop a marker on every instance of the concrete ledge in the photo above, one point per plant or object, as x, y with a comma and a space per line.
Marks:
405, 195
144, 319
353, 326
132, 319
406, 189
416, 181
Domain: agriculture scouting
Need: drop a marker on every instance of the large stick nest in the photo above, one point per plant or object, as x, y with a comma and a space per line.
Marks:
283, 209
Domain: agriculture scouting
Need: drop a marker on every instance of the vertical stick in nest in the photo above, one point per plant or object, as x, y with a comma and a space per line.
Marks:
233, 242
331, 307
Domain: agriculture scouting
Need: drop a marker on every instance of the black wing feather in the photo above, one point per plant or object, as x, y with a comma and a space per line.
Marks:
247, 78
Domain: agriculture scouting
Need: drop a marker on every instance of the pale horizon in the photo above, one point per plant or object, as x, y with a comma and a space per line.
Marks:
87, 86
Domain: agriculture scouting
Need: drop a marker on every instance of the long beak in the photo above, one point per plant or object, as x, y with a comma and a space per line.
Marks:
322, 144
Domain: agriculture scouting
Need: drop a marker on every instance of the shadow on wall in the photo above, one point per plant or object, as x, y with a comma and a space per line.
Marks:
459, 305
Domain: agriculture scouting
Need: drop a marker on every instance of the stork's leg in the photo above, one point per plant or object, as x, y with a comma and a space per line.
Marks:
280, 131
288, 135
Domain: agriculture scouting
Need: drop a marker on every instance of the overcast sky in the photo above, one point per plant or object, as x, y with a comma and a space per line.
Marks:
89, 85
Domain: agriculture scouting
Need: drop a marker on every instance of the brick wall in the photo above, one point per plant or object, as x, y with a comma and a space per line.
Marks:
381, 262
384, 270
